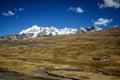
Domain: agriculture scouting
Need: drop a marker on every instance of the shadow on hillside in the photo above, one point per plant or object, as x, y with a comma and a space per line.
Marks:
6, 74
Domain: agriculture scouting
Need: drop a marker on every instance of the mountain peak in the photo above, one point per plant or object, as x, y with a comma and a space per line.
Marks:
35, 27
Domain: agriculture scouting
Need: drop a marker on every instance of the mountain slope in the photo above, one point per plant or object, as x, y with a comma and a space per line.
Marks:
93, 55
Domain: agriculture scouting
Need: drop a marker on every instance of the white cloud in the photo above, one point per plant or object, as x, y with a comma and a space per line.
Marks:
21, 9
102, 21
79, 10
76, 9
9, 13
110, 3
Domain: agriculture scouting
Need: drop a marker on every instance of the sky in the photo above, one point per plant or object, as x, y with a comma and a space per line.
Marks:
16, 15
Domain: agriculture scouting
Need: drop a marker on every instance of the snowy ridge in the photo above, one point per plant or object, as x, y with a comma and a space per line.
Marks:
36, 31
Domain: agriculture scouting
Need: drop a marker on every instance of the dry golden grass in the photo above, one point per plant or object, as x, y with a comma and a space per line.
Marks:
26, 56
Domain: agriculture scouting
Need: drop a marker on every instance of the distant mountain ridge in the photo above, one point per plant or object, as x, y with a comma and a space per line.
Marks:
36, 31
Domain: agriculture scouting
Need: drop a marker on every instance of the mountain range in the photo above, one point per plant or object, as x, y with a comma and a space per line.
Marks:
36, 31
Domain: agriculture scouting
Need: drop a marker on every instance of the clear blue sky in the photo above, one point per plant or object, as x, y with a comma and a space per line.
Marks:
16, 15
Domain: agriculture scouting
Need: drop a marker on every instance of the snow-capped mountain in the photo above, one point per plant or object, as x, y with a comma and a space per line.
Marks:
93, 28
81, 30
89, 29
36, 31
